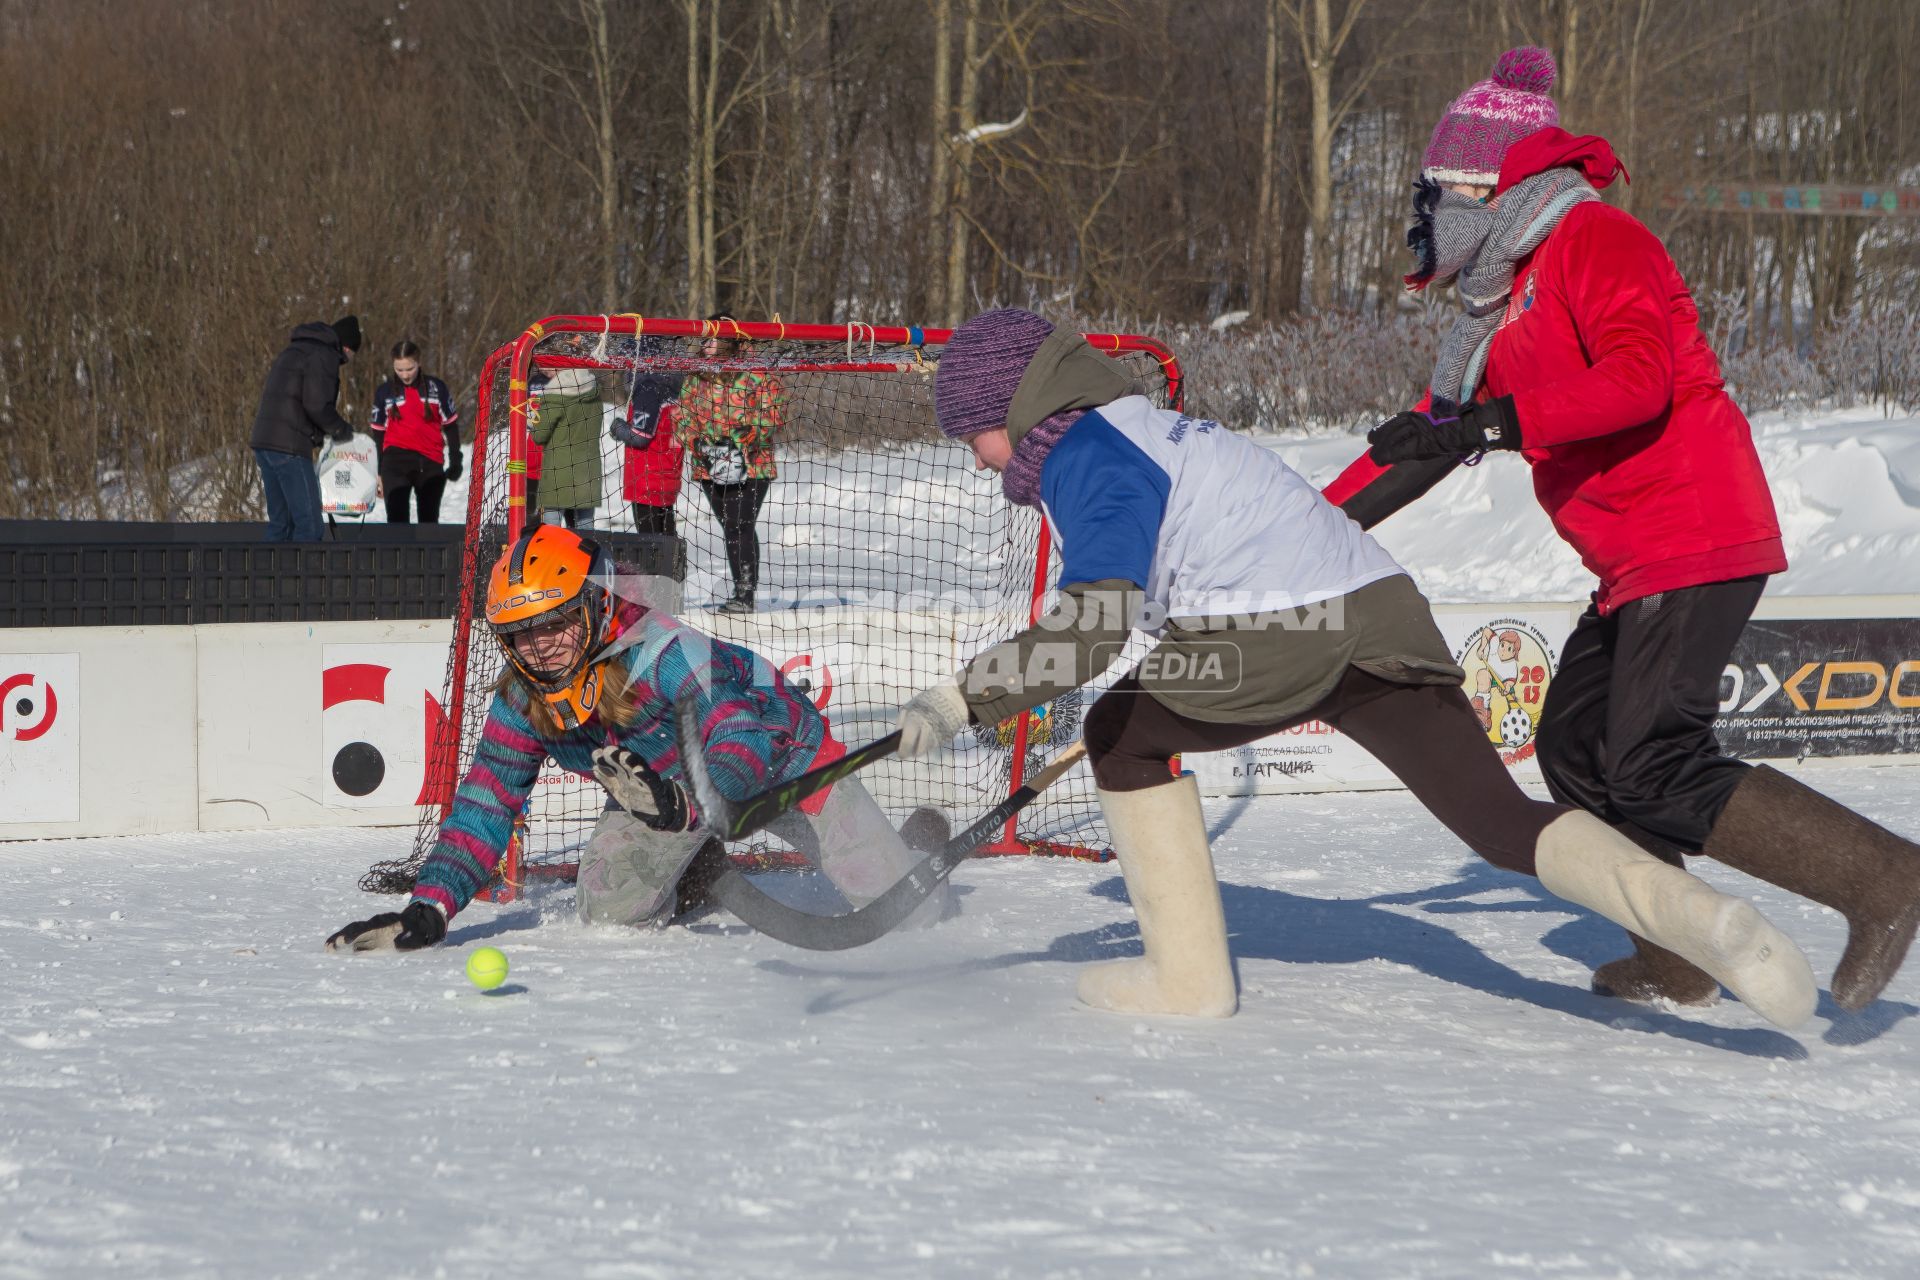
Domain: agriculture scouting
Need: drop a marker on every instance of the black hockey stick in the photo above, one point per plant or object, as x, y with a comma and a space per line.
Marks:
811, 932
732, 819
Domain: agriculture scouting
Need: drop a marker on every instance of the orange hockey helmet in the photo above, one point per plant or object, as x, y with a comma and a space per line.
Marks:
549, 579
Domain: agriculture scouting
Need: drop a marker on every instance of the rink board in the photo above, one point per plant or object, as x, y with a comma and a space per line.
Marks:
129, 730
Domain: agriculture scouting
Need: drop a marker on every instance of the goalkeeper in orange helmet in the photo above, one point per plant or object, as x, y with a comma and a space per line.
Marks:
591, 680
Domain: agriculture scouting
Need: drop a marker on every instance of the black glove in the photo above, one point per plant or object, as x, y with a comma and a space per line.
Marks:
643, 793
344, 436
1417, 435
420, 925
454, 465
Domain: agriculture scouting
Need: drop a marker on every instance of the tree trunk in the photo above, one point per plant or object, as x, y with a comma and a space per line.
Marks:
1319, 59
939, 175
1263, 214
602, 52
710, 166
968, 108
695, 300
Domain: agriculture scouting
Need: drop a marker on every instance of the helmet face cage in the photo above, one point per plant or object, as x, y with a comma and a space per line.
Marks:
554, 593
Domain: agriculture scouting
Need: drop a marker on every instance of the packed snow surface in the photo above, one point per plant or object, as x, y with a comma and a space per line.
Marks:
1418, 1084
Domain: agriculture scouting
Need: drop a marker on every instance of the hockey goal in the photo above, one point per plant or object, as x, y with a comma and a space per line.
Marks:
885, 559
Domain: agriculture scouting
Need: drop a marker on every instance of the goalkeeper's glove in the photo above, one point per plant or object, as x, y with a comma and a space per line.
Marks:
929, 721
1416, 436
454, 465
646, 795
422, 924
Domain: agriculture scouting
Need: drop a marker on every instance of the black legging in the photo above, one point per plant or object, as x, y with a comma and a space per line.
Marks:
648, 519
738, 506
1426, 735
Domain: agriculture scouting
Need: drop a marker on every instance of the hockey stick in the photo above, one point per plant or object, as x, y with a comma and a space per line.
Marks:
732, 819
811, 932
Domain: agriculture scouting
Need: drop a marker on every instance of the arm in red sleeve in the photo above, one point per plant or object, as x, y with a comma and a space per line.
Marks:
1617, 282
1369, 491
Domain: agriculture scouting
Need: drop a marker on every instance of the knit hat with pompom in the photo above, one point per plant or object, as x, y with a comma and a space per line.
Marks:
980, 370
1472, 138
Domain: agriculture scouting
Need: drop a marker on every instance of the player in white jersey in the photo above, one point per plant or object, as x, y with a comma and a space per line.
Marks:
1271, 608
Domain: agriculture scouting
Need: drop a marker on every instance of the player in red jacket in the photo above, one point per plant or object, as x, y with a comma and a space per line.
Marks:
1579, 345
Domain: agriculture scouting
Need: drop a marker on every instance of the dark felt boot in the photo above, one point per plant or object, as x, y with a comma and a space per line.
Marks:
1779, 830
1654, 973
926, 830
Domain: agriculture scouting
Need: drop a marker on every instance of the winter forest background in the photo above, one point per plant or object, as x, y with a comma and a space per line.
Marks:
182, 181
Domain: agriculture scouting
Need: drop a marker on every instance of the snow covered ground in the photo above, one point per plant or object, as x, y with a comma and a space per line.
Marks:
1418, 1085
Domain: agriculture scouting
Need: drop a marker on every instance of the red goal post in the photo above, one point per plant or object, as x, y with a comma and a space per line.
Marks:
859, 437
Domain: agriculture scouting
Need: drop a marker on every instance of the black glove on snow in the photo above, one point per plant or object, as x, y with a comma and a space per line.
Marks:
420, 925
454, 465
643, 793
1417, 435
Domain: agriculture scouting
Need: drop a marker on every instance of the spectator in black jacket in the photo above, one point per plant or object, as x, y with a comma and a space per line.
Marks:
418, 431
297, 411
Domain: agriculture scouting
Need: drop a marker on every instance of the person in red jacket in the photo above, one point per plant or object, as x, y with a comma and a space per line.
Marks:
417, 430
1578, 345
650, 478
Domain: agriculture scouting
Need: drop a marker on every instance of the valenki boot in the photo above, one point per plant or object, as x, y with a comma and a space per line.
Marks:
1584, 860
1777, 829
1652, 972
1160, 838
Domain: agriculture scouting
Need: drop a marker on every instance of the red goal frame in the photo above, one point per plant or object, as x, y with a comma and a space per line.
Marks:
442, 773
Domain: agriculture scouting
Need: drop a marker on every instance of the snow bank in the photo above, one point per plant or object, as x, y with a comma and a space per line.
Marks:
1846, 484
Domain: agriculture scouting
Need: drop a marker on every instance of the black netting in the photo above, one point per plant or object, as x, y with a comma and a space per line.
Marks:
885, 559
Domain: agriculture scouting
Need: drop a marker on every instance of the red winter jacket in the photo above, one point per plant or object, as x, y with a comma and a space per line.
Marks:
1644, 464
651, 474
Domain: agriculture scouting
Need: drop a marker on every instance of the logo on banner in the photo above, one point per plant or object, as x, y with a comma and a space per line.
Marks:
1509, 665
40, 738
1822, 687
379, 720
28, 707
804, 677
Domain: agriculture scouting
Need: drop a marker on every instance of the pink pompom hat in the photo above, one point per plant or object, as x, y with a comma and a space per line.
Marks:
1472, 138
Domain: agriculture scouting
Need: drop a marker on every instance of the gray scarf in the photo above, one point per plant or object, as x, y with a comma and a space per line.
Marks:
1457, 235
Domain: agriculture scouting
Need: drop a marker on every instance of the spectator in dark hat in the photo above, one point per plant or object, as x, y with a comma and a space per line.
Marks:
297, 411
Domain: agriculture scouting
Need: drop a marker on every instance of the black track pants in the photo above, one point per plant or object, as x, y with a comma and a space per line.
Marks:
404, 472
1627, 729
1427, 735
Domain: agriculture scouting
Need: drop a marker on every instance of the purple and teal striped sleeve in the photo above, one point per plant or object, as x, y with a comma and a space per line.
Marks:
495, 789
742, 745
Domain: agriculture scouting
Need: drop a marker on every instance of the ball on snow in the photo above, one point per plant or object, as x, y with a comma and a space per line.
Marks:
487, 968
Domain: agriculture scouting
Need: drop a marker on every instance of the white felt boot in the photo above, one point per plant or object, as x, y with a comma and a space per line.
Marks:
1160, 837
1586, 861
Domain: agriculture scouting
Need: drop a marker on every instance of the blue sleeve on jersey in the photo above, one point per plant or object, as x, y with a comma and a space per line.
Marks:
1107, 498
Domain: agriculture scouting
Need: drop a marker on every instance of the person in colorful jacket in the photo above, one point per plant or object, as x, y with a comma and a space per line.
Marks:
1272, 609
417, 431
591, 680
1579, 346
729, 420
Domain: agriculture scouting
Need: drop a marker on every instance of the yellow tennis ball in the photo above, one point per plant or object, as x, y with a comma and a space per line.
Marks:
486, 968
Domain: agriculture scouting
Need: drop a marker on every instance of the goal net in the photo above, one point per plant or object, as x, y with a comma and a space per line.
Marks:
876, 557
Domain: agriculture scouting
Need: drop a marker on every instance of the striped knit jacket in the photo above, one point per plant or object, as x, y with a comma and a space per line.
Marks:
758, 732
